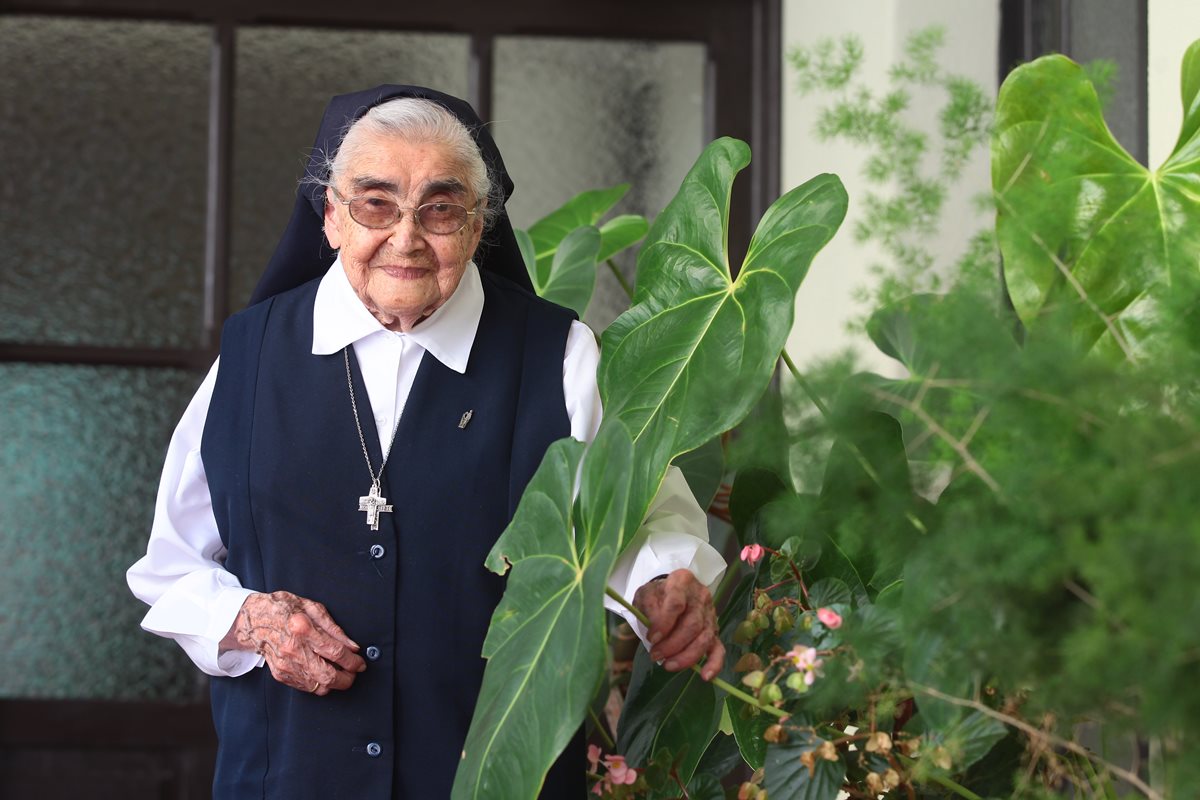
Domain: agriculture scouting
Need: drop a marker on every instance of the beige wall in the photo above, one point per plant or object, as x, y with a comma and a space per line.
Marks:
1173, 25
825, 303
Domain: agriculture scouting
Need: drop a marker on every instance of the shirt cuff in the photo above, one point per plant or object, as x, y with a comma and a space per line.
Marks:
660, 554
199, 632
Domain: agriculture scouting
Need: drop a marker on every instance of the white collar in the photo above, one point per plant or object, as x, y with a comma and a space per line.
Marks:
340, 319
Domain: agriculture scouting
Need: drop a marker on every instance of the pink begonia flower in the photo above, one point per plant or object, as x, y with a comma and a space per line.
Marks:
620, 772
753, 553
805, 660
829, 618
594, 754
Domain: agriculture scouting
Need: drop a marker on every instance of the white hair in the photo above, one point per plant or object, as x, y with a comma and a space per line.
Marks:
417, 120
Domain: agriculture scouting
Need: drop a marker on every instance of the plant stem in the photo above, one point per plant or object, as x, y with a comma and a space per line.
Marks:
748, 699
603, 731
805, 385
620, 278
1040, 735
943, 781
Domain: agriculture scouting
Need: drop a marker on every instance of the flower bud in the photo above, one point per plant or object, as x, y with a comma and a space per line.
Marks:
745, 632
941, 758
762, 621
891, 779
827, 751
748, 662
762, 600
879, 742
747, 791
769, 694
775, 734
783, 620
754, 679
762, 795
874, 783
795, 682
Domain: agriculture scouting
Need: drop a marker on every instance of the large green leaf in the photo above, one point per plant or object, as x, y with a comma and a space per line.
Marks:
787, 776
1088, 234
676, 710
546, 644
569, 277
585, 208
692, 356
621, 232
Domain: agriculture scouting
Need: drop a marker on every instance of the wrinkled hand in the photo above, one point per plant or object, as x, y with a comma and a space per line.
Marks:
683, 623
303, 646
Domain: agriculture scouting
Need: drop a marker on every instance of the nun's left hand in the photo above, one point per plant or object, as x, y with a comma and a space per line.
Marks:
683, 623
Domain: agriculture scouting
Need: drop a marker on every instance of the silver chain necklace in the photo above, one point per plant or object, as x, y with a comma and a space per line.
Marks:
372, 502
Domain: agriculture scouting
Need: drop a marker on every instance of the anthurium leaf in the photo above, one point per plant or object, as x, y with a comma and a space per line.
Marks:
585, 208
572, 274
546, 644
788, 776
676, 710
692, 356
1088, 234
621, 232
748, 731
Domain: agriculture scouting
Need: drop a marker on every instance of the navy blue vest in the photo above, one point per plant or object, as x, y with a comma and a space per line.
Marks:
285, 469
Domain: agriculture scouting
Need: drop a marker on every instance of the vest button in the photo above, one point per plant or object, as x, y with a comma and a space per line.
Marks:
373, 749
372, 653
377, 551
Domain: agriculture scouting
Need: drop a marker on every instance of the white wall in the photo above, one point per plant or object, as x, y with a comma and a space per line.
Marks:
1173, 25
824, 304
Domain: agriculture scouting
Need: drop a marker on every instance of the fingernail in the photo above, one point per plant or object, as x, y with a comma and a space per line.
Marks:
655, 638
671, 666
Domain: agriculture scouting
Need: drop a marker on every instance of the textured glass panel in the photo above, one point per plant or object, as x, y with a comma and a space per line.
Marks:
285, 77
1110, 29
103, 130
577, 114
80, 451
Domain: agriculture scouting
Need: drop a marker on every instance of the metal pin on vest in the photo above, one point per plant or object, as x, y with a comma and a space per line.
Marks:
466, 418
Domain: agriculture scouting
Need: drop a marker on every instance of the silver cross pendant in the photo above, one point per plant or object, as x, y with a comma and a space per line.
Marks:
374, 504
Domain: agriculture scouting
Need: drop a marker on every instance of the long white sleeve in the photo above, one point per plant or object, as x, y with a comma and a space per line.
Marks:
192, 598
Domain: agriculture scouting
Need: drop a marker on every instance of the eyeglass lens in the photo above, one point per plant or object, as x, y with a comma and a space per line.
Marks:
381, 212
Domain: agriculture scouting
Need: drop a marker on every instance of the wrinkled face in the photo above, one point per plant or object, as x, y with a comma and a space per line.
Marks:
402, 273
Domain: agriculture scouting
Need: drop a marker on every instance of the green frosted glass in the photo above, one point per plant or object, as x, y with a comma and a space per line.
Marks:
285, 77
644, 125
103, 130
81, 449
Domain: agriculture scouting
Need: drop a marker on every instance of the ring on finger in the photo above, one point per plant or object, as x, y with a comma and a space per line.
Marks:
316, 686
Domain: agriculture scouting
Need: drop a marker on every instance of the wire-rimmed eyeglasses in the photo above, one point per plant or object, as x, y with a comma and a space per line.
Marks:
379, 211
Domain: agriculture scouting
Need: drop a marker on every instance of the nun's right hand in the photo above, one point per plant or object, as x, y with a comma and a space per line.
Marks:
301, 643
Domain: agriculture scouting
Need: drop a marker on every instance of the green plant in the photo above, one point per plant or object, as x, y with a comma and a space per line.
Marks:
911, 170
1002, 545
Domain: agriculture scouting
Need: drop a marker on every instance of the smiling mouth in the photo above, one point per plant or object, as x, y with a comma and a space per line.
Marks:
404, 273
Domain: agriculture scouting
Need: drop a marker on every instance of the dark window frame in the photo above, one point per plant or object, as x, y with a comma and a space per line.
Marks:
742, 99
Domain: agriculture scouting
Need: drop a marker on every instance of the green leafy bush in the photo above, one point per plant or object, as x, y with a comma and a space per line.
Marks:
991, 576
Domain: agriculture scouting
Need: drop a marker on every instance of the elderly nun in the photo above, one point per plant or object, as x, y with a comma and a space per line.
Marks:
333, 488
